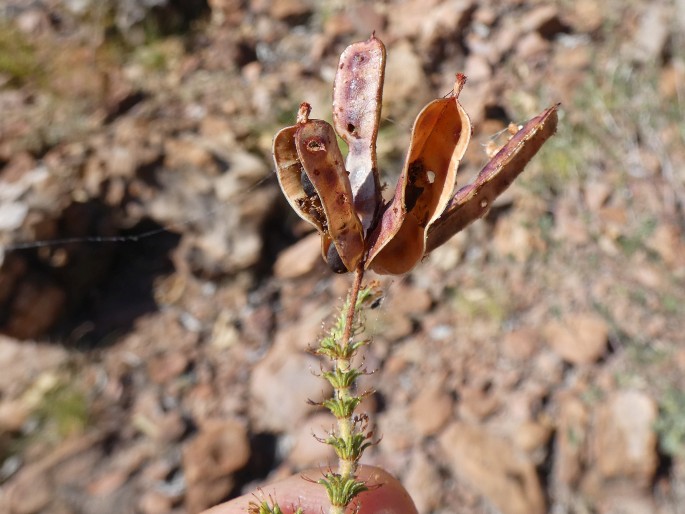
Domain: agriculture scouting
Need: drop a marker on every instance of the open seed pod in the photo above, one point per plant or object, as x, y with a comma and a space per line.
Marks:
310, 170
357, 98
474, 201
439, 139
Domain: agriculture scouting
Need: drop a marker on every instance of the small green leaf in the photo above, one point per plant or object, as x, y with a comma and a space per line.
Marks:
342, 407
341, 490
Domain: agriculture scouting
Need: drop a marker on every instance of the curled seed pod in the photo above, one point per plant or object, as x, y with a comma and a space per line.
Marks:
310, 170
474, 201
289, 171
322, 161
439, 139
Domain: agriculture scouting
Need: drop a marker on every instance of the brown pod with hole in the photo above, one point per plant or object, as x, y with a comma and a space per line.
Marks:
439, 139
357, 98
322, 196
474, 201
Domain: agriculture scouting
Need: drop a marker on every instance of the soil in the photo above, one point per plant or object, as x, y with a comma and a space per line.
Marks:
158, 295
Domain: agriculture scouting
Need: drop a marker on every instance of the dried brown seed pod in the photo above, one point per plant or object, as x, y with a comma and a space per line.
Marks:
357, 97
439, 139
474, 201
310, 148
356, 227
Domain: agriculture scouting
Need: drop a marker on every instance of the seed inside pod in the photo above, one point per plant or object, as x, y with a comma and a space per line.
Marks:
307, 185
334, 260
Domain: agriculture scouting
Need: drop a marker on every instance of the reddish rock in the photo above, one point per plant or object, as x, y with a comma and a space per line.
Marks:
431, 409
624, 440
571, 443
307, 451
520, 344
219, 449
300, 258
579, 338
280, 385
494, 468
424, 483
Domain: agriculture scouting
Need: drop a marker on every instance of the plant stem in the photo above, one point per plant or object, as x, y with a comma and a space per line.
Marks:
347, 468
352, 302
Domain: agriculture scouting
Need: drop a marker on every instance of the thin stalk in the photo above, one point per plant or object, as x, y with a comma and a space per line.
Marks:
347, 468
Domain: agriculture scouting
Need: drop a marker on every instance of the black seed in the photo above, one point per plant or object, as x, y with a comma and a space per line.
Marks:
307, 185
411, 196
334, 260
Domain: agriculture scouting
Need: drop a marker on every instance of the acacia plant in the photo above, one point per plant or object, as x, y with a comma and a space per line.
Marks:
342, 199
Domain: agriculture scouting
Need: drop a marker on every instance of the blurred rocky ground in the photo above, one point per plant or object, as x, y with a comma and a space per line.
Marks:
157, 295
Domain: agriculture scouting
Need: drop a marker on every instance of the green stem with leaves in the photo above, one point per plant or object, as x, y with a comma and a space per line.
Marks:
351, 438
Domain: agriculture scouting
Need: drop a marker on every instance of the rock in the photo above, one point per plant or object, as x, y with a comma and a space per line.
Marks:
443, 20
596, 194
181, 153
667, 241
29, 493
154, 502
587, 16
13, 415
306, 450
624, 441
579, 338
477, 402
569, 226
12, 215
520, 344
219, 449
494, 468
571, 441
649, 41
25, 363
405, 80
532, 46
244, 172
300, 258
544, 20
405, 17
280, 385
408, 299
512, 238
624, 498
290, 10
431, 409
166, 366
477, 69
531, 436
150, 418
424, 483
398, 435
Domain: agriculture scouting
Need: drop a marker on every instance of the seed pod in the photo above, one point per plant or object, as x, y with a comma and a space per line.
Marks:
289, 171
474, 201
322, 161
439, 139
307, 154
357, 94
